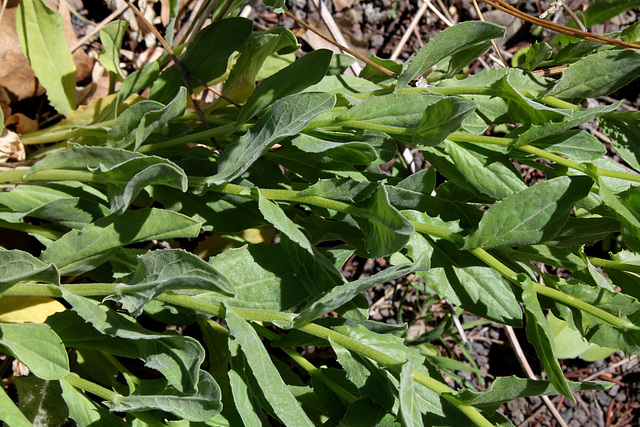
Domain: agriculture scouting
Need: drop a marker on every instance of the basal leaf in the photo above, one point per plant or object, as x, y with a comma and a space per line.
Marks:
159, 395
139, 121
569, 343
167, 270
206, 57
43, 42
440, 119
599, 74
83, 250
550, 255
629, 219
447, 43
177, 357
306, 71
603, 10
505, 389
111, 38
540, 336
38, 347
385, 229
27, 309
285, 117
530, 216
275, 391
18, 266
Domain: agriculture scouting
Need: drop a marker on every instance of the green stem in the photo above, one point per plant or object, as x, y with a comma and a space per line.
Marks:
432, 384
31, 229
614, 265
91, 387
313, 372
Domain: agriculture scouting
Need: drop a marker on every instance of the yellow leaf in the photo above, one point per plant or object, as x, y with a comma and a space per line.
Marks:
28, 309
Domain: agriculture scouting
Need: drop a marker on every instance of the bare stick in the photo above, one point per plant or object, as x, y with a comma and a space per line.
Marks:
410, 28
346, 49
511, 335
505, 7
98, 27
436, 12
502, 61
183, 72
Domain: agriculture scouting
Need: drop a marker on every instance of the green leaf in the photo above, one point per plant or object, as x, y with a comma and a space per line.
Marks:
83, 250
505, 389
285, 117
393, 109
468, 283
306, 71
485, 170
602, 10
43, 42
629, 220
550, 255
167, 270
41, 401
125, 173
245, 402
594, 329
537, 53
409, 410
447, 43
599, 74
575, 144
18, 266
260, 278
364, 411
206, 57
139, 121
84, 411
70, 212
177, 357
540, 336
537, 132
625, 137
385, 229
569, 343
253, 54
342, 294
530, 216
111, 37
10, 414
348, 152
275, 391
313, 268
441, 119
522, 109
159, 395
631, 33
38, 347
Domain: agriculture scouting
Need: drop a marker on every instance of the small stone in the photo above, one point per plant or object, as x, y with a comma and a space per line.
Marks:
377, 40
621, 396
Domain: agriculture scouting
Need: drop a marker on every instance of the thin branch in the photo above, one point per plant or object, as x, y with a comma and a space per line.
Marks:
505, 7
410, 28
346, 49
214, 91
183, 72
